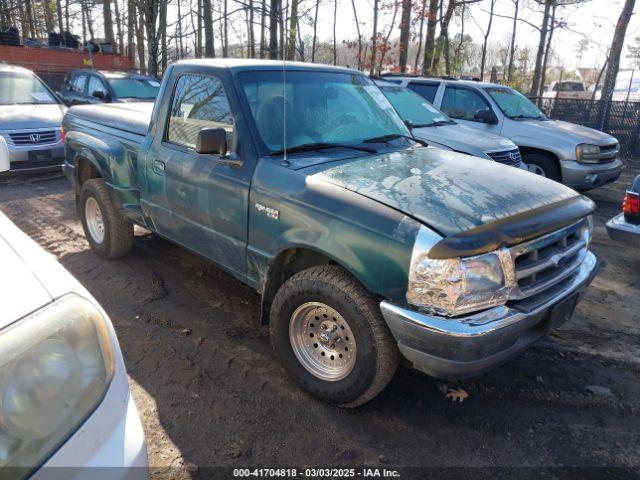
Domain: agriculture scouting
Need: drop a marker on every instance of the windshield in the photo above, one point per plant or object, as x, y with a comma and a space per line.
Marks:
414, 108
568, 87
513, 104
135, 87
627, 85
312, 107
23, 89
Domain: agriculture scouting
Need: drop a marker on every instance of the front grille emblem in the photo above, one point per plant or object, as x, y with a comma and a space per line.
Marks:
35, 137
513, 155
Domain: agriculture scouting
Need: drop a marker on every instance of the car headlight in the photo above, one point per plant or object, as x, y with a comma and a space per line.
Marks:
55, 367
586, 153
456, 286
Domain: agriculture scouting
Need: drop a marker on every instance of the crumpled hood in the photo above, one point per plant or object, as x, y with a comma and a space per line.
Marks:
565, 131
447, 191
21, 117
463, 138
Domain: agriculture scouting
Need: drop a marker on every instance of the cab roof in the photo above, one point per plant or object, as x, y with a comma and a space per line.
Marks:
249, 64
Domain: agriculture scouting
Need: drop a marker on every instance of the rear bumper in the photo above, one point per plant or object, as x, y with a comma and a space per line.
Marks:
467, 346
623, 232
581, 176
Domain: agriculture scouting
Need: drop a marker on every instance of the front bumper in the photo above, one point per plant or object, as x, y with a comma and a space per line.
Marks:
623, 232
582, 176
35, 158
467, 346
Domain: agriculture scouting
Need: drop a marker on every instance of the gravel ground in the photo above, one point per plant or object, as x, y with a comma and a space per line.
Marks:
210, 392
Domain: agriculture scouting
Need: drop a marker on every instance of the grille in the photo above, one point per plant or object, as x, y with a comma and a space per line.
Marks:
33, 137
546, 261
507, 157
608, 153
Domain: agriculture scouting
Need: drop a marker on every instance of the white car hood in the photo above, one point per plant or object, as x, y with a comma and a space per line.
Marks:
30, 277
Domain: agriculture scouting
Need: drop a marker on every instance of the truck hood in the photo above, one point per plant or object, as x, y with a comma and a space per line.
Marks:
560, 131
464, 139
448, 191
23, 117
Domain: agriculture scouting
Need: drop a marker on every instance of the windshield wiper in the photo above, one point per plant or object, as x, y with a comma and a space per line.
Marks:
394, 136
434, 124
530, 117
312, 147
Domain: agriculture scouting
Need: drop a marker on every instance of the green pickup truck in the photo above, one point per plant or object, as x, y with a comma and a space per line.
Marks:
366, 246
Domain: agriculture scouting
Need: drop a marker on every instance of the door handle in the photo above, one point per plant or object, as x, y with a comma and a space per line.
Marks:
158, 167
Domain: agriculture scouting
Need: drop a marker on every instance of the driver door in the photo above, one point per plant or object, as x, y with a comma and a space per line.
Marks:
462, 103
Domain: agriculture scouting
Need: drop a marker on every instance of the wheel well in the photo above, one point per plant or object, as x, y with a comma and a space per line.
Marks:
526, 150
286, 264
85, 170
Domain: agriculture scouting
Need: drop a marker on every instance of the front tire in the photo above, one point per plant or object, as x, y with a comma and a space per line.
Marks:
542, 165
109, 235
329, 334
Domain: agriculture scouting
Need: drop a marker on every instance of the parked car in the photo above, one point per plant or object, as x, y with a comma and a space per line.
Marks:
580, 157
431, 125
65, 401
94, 86
568, 89
30, 118
625, 227
363, 245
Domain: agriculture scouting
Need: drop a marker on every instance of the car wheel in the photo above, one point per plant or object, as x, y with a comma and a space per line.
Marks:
328, 332
542, 165
109, 235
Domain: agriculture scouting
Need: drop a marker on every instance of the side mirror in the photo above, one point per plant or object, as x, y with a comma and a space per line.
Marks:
99, 94
212, 140
486, 116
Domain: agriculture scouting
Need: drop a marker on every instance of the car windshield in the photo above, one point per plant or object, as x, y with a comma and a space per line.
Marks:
296, 108
135, 87
627, 85
23, 89
513, 104
414, 108
568, 87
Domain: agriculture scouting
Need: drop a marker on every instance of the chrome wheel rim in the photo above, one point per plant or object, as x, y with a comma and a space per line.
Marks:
533, 168
322, 341
94, 219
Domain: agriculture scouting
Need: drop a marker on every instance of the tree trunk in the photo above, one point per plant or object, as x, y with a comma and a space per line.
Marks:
543, 74
119, 25
374, 38
315, 33
29, 17
442, 45
131, 27
458, 60
429, 44
140, 38
423, 11
512, 48
486, 39
108, 21
386, 39
208, 29
163, 34
355, 14
273, 29
263, 20
335, 43
252, 43
616, 50
48, 16
405, 24
293, 25
225, 40
59, 12
179, 40
535, 81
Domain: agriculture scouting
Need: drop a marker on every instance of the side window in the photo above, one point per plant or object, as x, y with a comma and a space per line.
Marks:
462, 103
96, 85
79, 83
425, 90
199, 102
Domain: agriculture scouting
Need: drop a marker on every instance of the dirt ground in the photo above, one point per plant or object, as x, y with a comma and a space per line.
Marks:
210, 392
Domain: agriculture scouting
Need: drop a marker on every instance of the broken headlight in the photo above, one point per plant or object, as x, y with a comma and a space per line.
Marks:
456, 286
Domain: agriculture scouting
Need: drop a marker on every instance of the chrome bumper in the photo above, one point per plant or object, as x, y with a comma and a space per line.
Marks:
623, 232
466, 346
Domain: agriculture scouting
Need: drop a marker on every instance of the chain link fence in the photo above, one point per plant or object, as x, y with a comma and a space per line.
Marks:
620, 119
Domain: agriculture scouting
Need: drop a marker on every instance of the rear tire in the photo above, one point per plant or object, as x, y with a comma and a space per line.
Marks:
542, 165
329, 334
109, 235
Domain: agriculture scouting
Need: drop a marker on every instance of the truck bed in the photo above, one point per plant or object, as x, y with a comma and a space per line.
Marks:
129, 117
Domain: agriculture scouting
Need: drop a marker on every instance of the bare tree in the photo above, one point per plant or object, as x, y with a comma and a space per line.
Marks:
293, 25
616, 50
108, 21
335, 46
486, 39
274, 15
405, 27
355, 14
374, 38
315, 33
429, 44
512, 48
537, 71
423, 12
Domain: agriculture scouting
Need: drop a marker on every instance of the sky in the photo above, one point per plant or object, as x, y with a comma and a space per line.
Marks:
594, 20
